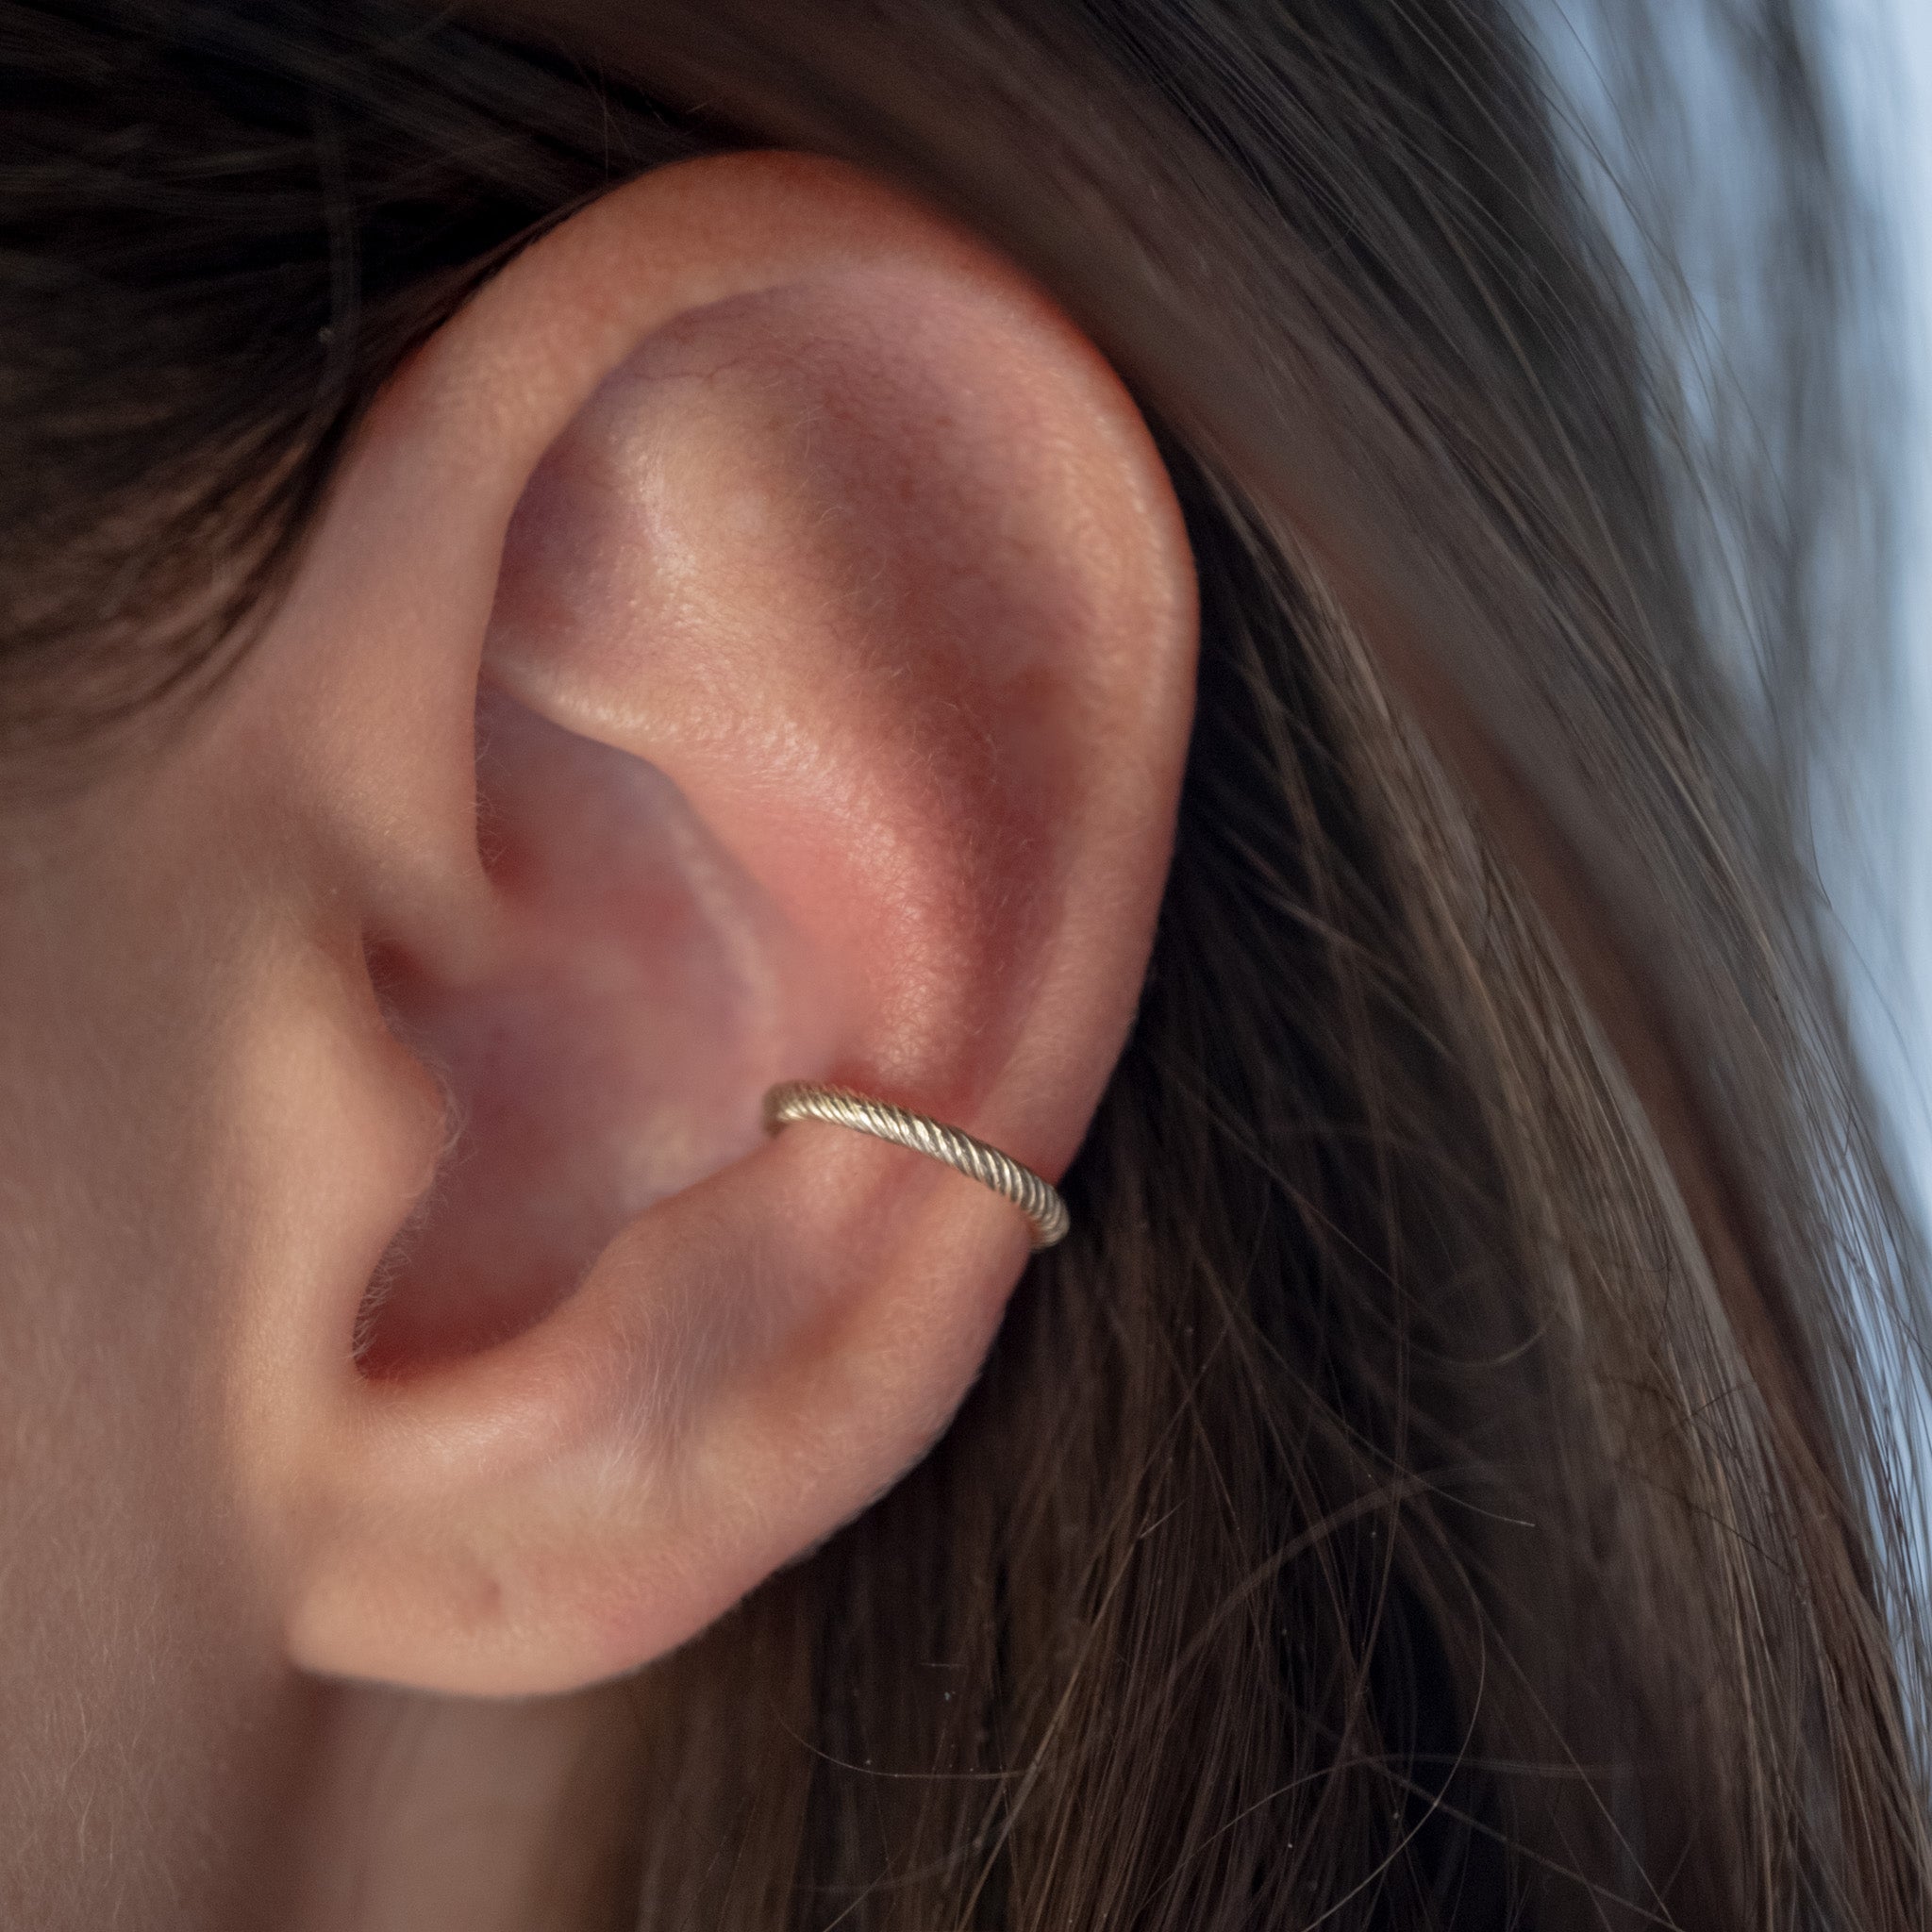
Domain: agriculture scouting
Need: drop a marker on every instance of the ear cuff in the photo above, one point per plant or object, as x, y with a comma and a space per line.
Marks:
1037, 1198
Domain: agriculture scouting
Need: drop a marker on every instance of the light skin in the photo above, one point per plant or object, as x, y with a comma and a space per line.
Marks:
754, 640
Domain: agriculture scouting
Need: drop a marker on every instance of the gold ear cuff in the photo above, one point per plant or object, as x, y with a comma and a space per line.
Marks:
1038, 1199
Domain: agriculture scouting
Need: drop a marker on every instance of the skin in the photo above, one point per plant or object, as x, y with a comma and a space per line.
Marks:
754, 640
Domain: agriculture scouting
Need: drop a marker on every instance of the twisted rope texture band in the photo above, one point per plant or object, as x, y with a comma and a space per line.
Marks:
1038, 1199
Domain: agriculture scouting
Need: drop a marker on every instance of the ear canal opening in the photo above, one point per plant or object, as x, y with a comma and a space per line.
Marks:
612, 1049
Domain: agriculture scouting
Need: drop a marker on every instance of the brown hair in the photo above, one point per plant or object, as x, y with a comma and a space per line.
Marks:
1447, 1478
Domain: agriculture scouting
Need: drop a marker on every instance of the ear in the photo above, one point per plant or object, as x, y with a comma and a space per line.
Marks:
751, 641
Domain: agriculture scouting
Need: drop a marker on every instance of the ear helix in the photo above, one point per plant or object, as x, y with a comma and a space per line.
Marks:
1035, 1197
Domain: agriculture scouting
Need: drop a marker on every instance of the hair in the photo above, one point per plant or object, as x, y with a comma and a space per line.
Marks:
1451, 1474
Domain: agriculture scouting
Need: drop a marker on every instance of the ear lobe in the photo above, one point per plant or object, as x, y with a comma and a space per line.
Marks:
830, 671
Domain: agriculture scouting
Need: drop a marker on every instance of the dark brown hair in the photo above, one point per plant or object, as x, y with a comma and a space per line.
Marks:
1449, 1476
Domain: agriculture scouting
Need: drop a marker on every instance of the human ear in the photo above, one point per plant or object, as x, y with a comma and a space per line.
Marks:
751, 641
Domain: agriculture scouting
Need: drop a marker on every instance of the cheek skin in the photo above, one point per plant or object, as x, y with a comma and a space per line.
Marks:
150, 1730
